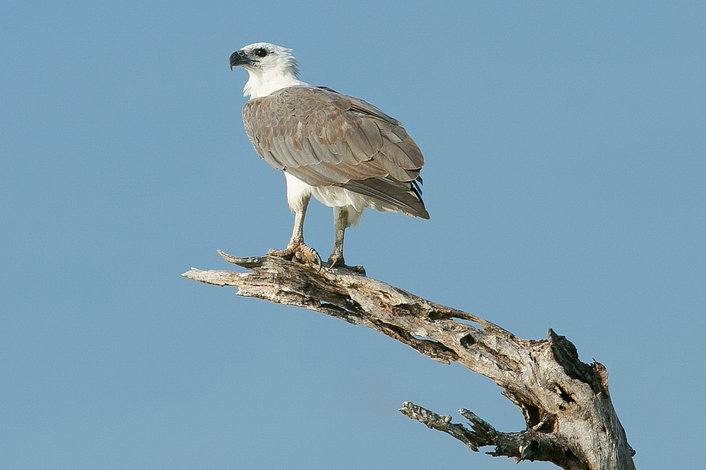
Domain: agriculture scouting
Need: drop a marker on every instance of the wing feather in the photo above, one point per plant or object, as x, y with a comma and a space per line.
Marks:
392, 192
369, 130
270, 158
285, 153
325, 138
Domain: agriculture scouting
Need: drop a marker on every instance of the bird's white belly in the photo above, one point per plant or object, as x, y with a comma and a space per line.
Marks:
332, 196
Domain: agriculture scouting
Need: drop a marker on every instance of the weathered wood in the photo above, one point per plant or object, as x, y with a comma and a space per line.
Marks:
569, 416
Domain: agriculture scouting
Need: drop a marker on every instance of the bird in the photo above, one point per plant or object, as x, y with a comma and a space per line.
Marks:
345, 152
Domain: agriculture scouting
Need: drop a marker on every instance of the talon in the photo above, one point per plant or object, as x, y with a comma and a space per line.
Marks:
339, 262
298, 252
334, 261
307, 255
359, 269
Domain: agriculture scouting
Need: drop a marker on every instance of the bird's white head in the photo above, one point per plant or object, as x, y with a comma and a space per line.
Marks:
270, 67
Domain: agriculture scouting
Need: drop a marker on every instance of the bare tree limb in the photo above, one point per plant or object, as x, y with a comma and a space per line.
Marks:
570, 419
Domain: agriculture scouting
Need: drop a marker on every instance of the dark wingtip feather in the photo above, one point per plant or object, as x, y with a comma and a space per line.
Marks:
423, 215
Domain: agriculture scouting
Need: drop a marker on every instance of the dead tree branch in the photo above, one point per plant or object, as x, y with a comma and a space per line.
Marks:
566, 404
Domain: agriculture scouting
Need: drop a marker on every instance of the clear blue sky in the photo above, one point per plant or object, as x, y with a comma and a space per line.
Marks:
565, 146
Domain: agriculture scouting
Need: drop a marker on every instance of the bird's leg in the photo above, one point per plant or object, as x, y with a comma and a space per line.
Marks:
296, 248
341, 220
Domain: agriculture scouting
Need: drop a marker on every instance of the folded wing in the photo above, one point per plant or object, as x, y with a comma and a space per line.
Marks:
325, 138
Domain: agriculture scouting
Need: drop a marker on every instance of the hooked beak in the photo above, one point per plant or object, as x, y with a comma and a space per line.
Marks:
239, 58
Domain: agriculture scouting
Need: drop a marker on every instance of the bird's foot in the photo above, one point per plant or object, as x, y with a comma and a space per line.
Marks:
298, 252
337, 261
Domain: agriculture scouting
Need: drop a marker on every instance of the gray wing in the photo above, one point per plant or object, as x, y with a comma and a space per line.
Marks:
325, 138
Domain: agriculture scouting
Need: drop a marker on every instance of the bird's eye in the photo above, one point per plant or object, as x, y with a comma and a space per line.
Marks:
261, 52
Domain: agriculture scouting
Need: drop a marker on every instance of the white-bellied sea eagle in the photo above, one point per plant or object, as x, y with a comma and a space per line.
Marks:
342, 150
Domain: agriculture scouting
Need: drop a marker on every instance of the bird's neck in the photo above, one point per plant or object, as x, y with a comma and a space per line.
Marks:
262, 84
